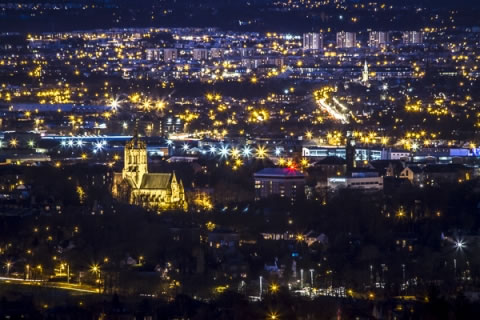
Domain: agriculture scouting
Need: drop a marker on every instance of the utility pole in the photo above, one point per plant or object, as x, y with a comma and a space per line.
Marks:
301, 278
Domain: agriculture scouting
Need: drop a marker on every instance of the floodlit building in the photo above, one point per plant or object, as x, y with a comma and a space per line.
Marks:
312, 41
358, 180
135, 185
412, 37
285, 182
200, 54
171, 124
365, 74
414, 174
346, 39
378, 39
153, 54
170, 55
216, 53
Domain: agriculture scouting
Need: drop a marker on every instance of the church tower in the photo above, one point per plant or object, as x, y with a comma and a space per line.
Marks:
135, 185
350, 153
135, 160
365, 73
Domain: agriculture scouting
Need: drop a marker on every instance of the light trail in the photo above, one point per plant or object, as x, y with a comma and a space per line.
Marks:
337, 110
332, 112
53, 285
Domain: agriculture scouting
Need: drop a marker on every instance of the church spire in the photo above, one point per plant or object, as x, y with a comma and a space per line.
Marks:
365, 72
136, 142
135, 130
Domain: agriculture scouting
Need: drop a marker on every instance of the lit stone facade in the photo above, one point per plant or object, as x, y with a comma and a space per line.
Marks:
135, 185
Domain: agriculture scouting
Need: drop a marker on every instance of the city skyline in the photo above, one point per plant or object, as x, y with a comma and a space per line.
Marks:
239, 159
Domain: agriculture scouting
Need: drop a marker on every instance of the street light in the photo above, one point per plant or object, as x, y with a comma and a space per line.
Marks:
459, 245
261, 152
234, 152
13, 143
311, 277
261, 287
224, 151
40, 270
274, 287
95, 268
8, 265
247, 151
114, 104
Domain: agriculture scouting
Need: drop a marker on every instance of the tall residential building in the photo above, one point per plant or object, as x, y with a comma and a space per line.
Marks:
153, 54
378, 39
217, 53
247, 52
312, 41
346, 39
170, 55
412, 37
170, 124
200, 54
284, 182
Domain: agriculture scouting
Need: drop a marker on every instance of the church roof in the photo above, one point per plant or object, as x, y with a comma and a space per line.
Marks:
155, 181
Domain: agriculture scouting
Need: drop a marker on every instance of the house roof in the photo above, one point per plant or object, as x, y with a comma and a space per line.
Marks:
331, 160
279, 172
382, 165
452, 167
415, 169
155, 181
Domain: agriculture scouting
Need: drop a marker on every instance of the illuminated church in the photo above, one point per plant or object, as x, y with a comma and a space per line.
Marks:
135, 185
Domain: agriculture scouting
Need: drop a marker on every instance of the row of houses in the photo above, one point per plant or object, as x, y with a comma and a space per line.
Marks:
333, 175
372, 176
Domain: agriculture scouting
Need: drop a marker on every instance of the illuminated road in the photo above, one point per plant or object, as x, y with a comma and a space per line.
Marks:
87, 138
336, 110
54, 285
